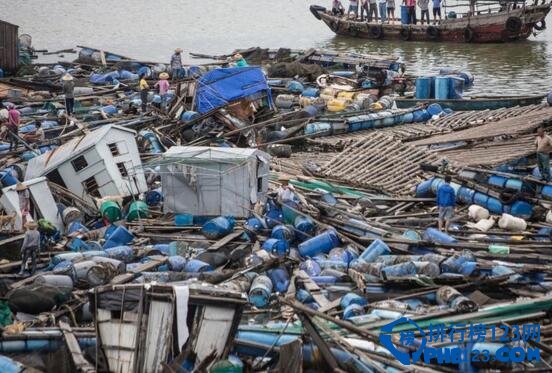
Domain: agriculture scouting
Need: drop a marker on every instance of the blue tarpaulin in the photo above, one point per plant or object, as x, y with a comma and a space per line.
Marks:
221, 86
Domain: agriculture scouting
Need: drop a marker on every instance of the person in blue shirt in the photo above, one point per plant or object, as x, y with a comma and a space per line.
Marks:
436, 11
446, 200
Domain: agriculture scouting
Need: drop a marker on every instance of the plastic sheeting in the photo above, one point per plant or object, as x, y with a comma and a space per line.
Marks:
221, 86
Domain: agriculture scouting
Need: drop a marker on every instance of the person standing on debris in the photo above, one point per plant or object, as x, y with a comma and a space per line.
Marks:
30, 247
24, 201
177, 70
353, 8
373, 11
543, 142
446, 200
411, 7
68, 91
13, 126
239, 60
424, 6
144, 90
338, 8
382, 8
364, 8
163, 85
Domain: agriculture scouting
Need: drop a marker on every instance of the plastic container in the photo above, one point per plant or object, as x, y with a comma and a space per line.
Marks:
273, 215
195, 266
188, 116
512, 223
276, 246
283, 232
305, 227
499, 249
58, 281
521, 209
321, 243
120, 236
122, 253
111, 211
7, 179
352, 298
183, 220
260, 291
176, 263
218, 227
435, 235
352, 311
253, 224
70, 214
311, 267
295, 87
434, 109
311, 92
453, 264
399, 270
137, 210
423, 88
280, 279
442, 87
376, 248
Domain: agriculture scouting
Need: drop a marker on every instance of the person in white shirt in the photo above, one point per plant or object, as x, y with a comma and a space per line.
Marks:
286, 192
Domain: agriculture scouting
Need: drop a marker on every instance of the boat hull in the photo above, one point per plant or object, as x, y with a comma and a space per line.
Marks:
482, 28
486, 103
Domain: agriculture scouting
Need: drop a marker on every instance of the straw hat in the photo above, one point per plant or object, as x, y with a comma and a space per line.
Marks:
20, 187
284, 178
178, 50
31, 224
67, 77
237, 56
164, 76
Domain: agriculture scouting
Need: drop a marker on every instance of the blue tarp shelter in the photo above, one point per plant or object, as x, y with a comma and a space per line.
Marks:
221, 86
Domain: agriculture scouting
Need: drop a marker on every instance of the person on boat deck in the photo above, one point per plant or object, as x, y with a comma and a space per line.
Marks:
436, 10
239, 60
424, 6
177, 70
364, 8
373, 11
338, 8
144, 90
286, 193
543, 142
353, 7
163, 85
411, 7
24, 201
382, 8
68, 85
30, 247
37, 135
390, 11
446, 200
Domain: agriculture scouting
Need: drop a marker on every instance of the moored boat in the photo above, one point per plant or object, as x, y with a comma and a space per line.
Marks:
509, 24
474, 103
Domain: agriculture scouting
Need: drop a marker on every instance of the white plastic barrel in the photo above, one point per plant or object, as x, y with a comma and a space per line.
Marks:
512, 223
477, 213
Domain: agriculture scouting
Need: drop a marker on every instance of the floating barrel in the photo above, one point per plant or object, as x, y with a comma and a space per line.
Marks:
321, 243
423, 88
376, 249
435, 235
442, 87
521, 209
218, 227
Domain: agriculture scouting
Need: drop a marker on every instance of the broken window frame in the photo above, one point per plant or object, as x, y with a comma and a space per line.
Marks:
74, 163
114, 149
91, 190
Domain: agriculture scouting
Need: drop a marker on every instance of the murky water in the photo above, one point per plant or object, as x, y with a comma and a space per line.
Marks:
150, 30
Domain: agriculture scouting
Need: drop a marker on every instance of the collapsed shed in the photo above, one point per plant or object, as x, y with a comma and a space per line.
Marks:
200, 180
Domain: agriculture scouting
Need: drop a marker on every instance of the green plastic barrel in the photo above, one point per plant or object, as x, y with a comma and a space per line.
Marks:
111, 211
289, 214
137, 210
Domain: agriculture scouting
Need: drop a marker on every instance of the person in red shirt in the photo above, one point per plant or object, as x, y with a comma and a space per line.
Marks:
411, 5
13, 125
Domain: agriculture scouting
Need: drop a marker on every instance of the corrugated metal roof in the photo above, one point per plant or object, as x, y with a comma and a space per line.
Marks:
46, 162
206, 152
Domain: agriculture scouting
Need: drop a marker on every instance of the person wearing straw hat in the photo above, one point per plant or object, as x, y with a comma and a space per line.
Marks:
24, 201
163, 86
30, 247
286, 192
68, 85
144, 90
239, 60
176, 64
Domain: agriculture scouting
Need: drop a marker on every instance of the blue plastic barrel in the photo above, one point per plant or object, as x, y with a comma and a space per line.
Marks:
311, 92
424, 189
294, 86
399, 270
7, 179
276, 246
311, 111
521, 209
304, 227
344, 255
253, 225
311, 267
273, 214
434, 109
109, 110
412, 235
352, 311
546, 191
122, 253
183, 220
188, 116
435, 235
423, 88
120, 236
456, 87
280, 279
494, 206
321, 243
324, 280
154, 197
195, 265
442, 87
405, 16
465, 195
498, 181
372, 252
454, 263
318, 127
218, 227
352, 298
283, 232
260, 291
303, 296
176, 263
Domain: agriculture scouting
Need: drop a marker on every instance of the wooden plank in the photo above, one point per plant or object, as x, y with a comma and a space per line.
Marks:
81, 364
225, 240
312, 288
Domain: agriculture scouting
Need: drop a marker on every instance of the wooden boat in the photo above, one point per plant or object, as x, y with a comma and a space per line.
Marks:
474, 103
499, 26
